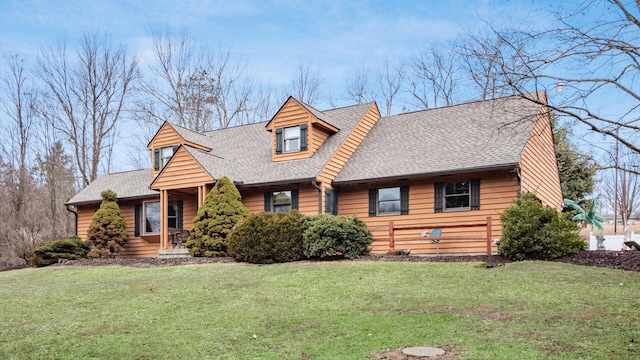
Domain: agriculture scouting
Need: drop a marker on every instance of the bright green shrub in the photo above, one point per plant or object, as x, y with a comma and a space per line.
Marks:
329, 236
108, 231
221, 211
71, 248
267, 238
531, 231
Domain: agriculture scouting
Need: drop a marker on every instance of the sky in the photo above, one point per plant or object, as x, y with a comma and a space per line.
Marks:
335, 37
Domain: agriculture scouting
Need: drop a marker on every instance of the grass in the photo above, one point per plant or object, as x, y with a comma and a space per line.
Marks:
333, 310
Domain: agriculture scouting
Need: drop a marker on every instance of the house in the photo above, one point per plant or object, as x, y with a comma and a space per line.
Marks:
455, 168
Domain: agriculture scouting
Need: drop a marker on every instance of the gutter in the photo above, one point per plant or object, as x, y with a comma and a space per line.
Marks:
72, 209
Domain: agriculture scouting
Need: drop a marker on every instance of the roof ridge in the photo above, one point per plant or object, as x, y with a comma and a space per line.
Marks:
125, 171
348, 106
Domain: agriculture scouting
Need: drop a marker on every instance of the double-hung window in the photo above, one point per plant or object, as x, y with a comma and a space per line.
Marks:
150, 217
457, 196
162, 156
389, 201
281, 200
292, 139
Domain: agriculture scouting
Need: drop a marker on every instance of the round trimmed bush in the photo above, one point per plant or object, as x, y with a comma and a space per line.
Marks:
531, 231
267, 238
71, 248
327, 236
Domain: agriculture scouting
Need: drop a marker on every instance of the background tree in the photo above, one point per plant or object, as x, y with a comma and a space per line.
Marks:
591, 53
434, 77
577, 171
108, 231
197, 87
305, 85
358, 87
389, 81
622, 191
86, 96
221, 211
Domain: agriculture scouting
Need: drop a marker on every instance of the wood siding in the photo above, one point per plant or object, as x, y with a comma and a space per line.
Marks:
138, 246
182, 171
497, 191
346, 149
253, 199
167, 136
539, 166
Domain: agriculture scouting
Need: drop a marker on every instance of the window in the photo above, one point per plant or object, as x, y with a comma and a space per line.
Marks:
389, 201
281, 201
151, 217
455, 196
162, 156
291, 139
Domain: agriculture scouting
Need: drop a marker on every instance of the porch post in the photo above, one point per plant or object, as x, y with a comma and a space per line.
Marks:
489, 235
201, 195
164, 211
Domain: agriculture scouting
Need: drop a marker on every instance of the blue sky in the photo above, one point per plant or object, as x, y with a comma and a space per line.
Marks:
336, 37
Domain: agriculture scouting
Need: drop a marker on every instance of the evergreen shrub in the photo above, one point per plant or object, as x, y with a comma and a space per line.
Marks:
327, 236
531, 231
221, 211
108, 230
71, 248
267, 238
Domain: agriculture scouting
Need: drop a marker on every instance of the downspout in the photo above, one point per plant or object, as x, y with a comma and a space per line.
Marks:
315, 185
519, 179
71, 209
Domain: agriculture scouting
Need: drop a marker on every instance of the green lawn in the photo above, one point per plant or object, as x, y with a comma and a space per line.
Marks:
332, 310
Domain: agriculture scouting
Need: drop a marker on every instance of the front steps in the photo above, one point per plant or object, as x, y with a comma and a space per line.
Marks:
173, 253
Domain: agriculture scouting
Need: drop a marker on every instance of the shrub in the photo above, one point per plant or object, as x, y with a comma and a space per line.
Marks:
267, 238
71, 248
329, 236
108, 231
221, 211
531, 231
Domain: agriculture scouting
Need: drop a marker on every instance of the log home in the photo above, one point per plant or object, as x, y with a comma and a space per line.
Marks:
455, 168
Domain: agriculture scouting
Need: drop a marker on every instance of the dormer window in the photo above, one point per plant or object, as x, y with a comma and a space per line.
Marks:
291, 139
162, 156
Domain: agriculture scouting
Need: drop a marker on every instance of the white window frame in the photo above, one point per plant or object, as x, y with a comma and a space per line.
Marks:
283, 206
286, 139
172, 205
165, 155
380, 200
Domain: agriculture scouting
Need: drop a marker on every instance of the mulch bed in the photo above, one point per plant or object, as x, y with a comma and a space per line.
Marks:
621, 260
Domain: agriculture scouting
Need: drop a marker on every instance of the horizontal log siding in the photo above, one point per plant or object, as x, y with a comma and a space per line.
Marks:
182, 172
253, 199
317, 137
291, 114
497, 191
143, 246
346, 149
167, 136
539, 166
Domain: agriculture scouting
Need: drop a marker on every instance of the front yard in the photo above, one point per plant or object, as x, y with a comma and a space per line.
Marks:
330, 310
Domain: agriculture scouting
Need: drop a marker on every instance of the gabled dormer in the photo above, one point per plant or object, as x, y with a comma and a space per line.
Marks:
298, 130
166, 141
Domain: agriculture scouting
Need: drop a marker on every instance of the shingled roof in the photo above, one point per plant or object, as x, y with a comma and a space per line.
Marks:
474, 136
128, 185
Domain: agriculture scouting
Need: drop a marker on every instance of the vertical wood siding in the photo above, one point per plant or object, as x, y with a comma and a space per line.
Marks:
539, 166
497, 191
182, 172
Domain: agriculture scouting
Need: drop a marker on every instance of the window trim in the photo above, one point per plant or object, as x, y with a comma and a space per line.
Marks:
143, 216
374, 201
273, 201
269, 198
285, 139
159, 157
440, 196
445, 196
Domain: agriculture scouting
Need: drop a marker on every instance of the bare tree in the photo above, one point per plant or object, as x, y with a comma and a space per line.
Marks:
480, 58
305, 85
389, 82
87, 95
358, 87
621, 188
591, 54
196, 87
434, 77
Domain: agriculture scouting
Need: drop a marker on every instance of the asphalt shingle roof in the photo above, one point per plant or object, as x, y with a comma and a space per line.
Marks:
471, 136
128, 184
